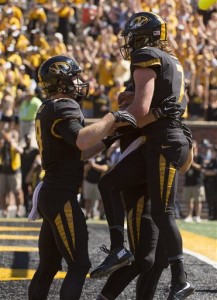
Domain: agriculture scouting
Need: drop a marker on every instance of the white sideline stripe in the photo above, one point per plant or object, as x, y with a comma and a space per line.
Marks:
197, 255
202, 258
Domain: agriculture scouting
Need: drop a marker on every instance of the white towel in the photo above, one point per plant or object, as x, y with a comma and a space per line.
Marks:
34, 214
133, 146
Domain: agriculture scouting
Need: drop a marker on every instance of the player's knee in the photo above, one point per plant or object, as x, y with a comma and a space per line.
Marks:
71, 288
146, 263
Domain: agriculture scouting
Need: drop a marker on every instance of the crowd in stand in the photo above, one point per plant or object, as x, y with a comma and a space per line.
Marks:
32, 31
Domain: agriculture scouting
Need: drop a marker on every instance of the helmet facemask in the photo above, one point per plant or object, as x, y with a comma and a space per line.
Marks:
79, 89
132, 43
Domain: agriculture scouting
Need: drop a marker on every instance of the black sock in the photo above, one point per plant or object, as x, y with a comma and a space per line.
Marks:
178, 274
116, 236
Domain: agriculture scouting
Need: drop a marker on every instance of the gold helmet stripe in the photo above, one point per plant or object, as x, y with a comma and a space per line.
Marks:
163, 31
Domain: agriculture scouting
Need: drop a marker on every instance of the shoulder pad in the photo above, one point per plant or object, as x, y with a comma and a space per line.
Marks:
145, 57
67, 108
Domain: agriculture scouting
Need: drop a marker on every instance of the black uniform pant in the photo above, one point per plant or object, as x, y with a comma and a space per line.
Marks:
156, 162
148, 249
63, 235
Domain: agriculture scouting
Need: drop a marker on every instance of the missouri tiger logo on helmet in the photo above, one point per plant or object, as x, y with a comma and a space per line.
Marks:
142, 30
59, 67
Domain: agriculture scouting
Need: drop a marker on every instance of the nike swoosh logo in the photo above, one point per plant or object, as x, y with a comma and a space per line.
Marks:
164, 147
166, 108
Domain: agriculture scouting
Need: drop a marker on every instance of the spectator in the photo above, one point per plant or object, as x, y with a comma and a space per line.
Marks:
57, 45
37, 18
114, 92
87, 103
10, 166
194, 193
64, 12
104, 72
101, 104
27, 113
210, 182
29, 159
94, 170
196, 104
212, 106
121, 69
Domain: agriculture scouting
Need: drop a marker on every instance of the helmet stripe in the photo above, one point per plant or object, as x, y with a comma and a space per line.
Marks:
163, 32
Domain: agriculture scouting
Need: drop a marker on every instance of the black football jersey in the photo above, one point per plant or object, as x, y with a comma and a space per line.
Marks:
57, 125
170, 75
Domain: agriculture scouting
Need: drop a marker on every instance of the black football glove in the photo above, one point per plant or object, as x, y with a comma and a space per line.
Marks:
124, 116
130, 88
188, 134
169, 108
110, 139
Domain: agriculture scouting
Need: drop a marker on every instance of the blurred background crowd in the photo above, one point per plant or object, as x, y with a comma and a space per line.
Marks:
32, 31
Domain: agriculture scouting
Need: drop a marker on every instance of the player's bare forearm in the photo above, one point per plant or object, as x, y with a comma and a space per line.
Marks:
90, 152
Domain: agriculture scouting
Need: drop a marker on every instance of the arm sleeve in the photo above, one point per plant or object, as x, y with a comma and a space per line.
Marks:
68, 129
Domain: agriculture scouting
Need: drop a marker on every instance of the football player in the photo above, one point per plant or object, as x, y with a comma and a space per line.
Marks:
157, 75
64, 142
143, 235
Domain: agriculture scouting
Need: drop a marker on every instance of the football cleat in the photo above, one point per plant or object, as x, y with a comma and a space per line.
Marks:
116, 259
180, 291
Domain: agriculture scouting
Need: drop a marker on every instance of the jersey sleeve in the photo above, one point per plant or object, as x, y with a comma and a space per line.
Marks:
68, 129
67, 120
145, 58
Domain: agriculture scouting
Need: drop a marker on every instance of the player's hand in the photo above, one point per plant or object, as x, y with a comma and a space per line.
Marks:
169, 108
188, 134
126, 98
110, 139
125, 117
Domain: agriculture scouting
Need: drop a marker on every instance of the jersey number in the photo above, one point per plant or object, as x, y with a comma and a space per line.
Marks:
38, 135
182, 86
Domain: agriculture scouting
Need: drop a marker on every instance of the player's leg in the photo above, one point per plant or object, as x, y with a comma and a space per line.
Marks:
49, 264
111, 187
147, 282
127, 173
62, 210
162, 167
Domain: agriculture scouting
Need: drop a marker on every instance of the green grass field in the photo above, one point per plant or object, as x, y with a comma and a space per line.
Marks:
205, 228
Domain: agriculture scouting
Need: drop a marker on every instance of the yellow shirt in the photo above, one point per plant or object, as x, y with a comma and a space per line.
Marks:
34, 59
13, 22
59, 49
2, 78
66, 12
41, 43
15, 58
17, 12
22, 43
38, 14
113, 96
105, 73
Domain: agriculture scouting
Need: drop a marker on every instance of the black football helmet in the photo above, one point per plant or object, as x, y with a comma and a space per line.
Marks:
142, 30
60, 74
